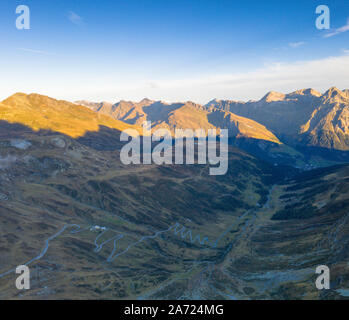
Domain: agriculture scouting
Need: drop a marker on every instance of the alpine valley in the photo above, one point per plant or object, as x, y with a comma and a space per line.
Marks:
90, 227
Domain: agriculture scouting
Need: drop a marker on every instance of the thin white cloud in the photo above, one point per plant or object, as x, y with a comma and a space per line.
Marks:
296, 44
319, 74
338, 31
75, 19
46, 53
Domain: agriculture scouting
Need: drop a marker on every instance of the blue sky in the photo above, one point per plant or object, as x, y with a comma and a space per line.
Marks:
171, 50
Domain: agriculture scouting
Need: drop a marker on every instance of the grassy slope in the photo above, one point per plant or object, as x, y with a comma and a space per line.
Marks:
41, 112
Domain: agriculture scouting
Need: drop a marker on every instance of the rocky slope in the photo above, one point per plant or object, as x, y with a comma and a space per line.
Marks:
301, 118
304, 117
187, 115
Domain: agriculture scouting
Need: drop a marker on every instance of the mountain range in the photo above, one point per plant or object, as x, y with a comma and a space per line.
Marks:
89, 226
304, 117
187, 115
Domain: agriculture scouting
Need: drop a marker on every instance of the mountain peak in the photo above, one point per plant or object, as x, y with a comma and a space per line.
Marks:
213, 103
334, 92
17, 94
335, 95
306, 92
273, 96
146, 100
22, 99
